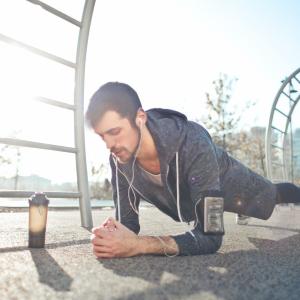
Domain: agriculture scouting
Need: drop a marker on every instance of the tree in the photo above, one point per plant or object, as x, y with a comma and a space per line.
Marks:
99, 188
18, 160
251, 149
224, 120
4, 159
221, 120
259, 153
11, 155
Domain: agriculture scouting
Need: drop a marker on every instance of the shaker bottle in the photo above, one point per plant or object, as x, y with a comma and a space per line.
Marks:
38, 210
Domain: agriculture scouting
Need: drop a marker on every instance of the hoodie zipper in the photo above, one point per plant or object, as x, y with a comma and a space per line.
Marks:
167, 173
169, 189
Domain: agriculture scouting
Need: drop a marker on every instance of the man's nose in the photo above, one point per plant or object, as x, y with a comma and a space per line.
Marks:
109, 143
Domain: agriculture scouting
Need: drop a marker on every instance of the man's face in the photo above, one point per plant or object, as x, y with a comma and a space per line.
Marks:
118, 134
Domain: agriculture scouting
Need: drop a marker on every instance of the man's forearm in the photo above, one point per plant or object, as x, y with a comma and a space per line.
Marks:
165, 245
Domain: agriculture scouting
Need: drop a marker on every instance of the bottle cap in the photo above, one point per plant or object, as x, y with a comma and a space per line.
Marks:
39, 198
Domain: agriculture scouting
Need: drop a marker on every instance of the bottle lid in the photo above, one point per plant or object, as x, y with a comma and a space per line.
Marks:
39, 198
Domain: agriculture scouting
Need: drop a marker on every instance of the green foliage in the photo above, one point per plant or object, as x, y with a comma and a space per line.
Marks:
221, 120
223, 123
100, 188
4, 159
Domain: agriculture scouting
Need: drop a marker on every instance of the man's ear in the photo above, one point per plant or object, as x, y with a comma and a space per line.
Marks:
141, 118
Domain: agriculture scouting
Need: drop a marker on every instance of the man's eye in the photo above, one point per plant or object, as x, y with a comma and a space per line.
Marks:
115, 131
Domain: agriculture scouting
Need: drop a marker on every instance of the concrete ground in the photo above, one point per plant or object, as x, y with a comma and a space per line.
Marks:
257, 261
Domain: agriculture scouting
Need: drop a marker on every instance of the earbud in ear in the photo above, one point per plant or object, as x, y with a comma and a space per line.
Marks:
139, 123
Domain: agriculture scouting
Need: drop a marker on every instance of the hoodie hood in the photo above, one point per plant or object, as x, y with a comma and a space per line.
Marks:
168, 129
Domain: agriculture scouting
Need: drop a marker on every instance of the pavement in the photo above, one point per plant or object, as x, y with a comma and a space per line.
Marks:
257, 261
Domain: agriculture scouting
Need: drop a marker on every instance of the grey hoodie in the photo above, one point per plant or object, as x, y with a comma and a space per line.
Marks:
193, 165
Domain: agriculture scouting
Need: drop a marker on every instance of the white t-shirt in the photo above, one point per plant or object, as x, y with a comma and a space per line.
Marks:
154, 178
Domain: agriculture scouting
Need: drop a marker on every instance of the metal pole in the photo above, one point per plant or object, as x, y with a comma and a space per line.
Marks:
82, 176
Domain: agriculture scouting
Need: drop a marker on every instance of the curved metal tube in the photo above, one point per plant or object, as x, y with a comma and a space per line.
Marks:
269, 129
82, 176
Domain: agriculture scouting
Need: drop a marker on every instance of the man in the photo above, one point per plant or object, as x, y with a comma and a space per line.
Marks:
163, 158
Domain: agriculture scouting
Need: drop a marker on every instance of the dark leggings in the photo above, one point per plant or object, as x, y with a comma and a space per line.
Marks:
287, 193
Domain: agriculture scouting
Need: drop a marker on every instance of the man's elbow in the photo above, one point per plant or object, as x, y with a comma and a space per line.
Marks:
216, 243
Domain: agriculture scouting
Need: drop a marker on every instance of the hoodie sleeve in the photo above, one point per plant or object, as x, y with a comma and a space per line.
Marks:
129, 217
200, 167
195, 242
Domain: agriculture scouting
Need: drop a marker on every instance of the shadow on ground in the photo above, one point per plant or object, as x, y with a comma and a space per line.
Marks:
48, 246
49, 271
265, 272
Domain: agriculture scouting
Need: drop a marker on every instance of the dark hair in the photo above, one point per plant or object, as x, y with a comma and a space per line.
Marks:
113, 96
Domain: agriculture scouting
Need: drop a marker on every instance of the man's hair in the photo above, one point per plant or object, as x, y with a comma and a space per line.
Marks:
113, 96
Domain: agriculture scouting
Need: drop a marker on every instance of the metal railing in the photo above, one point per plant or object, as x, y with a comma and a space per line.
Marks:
282, 129
77, 108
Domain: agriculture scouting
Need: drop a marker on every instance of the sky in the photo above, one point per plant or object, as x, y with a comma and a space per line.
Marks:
168, 51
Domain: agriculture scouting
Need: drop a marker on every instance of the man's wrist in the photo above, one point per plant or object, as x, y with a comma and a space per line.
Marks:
141, 245
157, 245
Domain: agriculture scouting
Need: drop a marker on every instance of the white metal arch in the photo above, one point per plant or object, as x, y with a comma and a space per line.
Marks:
277, 135
77, 108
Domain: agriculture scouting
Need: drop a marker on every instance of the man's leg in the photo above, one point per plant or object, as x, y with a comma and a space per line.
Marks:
287, 193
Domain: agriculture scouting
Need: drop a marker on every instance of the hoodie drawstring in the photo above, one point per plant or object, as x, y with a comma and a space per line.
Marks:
177, 188
118, 193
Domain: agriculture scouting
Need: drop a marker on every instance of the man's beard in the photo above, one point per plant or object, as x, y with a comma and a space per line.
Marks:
124, 150
114, 151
